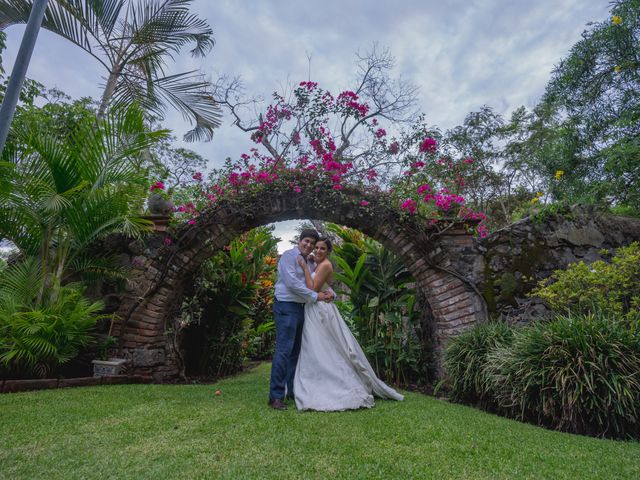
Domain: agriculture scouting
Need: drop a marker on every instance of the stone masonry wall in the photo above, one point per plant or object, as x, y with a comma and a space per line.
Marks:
154, 293
515, 258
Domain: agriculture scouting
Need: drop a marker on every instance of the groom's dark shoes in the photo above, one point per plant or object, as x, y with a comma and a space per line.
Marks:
277, 404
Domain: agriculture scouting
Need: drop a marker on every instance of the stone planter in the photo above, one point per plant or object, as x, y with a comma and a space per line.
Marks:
113, 366
158, 205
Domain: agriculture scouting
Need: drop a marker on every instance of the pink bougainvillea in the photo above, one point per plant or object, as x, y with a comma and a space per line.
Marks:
381, 132
157, 186
409, 205
297, 151
428, 145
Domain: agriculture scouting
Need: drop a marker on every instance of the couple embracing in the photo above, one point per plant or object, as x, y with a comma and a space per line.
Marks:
317, 360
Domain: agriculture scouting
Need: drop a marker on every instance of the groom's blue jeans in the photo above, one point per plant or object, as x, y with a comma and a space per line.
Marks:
289, 319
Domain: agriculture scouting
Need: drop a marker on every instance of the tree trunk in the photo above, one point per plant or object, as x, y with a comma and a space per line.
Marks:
112, 81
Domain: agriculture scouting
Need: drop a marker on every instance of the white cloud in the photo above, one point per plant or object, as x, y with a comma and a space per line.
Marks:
462, 54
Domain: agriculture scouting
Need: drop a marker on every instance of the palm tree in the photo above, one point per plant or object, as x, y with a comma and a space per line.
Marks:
133, 41
68, 191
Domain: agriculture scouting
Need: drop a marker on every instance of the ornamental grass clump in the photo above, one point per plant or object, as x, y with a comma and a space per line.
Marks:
465, 361
577, 374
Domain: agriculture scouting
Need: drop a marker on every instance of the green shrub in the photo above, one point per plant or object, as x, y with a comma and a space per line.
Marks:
577, 374
380, 309
37, 337
610, 288
227, 317
465, 360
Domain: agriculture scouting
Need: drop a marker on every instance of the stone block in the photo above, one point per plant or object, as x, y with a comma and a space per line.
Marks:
79, 382
147, 357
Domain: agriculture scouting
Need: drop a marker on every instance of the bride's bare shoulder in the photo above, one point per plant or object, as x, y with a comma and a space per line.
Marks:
326, 265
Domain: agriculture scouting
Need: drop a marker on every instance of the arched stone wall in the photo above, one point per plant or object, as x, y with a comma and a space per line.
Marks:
159, 272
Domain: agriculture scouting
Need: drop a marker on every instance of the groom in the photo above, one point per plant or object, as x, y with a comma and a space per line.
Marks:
288, 313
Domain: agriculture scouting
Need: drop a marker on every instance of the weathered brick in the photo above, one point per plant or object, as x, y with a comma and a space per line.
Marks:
463, 312
463, 302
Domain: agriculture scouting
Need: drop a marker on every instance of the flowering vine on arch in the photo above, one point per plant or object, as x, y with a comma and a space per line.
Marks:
317, 141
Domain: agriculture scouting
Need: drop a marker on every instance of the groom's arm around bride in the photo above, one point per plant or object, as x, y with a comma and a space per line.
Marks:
291, 293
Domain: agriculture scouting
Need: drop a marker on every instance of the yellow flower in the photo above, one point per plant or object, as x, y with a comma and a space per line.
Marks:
616, 20
559, 174
617, 68
535, 200
539, 194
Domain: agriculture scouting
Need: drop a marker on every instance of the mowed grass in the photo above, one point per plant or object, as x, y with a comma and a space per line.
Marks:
186, 431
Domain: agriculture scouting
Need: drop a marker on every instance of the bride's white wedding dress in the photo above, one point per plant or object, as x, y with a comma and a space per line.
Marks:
333, 373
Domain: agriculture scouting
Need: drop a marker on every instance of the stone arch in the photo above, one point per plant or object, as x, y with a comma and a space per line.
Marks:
159, 272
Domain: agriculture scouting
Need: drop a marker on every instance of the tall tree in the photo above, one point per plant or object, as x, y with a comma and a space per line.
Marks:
133, 42
594, 98
68, 191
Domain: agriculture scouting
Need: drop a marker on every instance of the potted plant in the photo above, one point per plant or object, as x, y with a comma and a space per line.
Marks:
158, 202
106, 365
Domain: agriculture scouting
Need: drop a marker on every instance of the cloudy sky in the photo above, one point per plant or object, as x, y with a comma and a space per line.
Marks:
461, 54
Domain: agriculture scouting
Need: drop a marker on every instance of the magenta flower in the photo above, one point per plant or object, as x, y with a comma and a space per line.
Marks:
468, 161
167, 241
381, 132
364, 203
428, 145
337, 187
192, 222
197, 176
157, 186
297, 189
394, 148
423, 188
410, 205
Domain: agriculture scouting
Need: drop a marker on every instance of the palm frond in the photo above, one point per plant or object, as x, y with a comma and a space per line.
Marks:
75, 20
188, 92
169, 23
21, 281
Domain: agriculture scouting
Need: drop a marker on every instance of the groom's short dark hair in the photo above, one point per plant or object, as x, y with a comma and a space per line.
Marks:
309, 233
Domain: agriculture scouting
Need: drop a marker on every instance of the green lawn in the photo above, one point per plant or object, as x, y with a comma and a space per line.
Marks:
178, 431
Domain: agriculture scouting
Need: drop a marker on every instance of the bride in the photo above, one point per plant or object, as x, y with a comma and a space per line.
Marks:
332, 372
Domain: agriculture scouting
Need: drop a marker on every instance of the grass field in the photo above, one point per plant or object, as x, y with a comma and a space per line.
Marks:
186, 431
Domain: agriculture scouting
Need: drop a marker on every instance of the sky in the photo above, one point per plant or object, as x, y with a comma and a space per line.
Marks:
461, 54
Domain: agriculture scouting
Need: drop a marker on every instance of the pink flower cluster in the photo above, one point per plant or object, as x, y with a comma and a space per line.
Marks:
381, 132
350, 100
157, 186
409, 205
309, 85
428, 145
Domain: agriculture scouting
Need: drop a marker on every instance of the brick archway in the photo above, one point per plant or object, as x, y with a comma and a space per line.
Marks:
160, 271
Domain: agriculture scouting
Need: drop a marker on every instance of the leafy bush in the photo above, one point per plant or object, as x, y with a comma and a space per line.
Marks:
228, 316
381, 297
611, 288
37, 337
577, 374
465, 360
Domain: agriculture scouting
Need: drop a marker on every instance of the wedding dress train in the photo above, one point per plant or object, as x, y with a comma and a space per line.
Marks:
333, 372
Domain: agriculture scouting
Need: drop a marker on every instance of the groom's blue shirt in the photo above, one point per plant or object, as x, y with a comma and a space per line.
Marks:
291, 286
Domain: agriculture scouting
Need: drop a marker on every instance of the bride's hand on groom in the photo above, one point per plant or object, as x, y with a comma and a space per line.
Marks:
302, 262
325, 297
